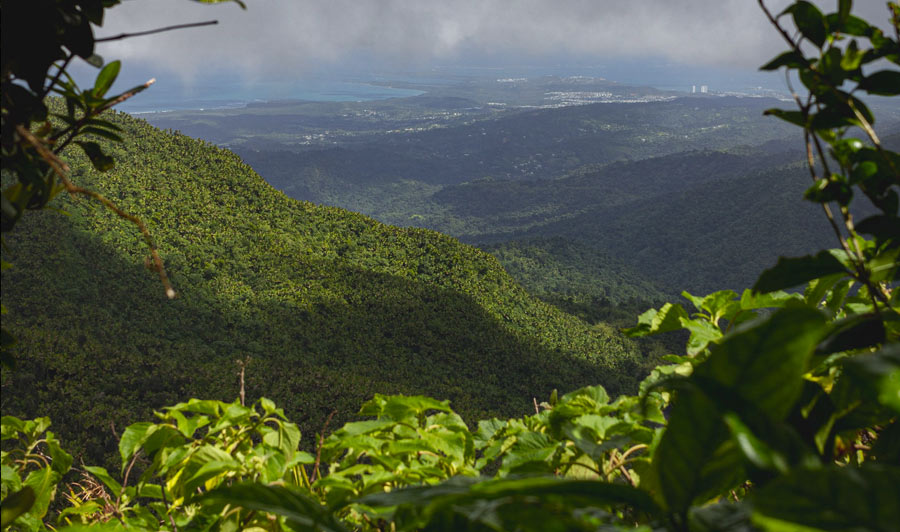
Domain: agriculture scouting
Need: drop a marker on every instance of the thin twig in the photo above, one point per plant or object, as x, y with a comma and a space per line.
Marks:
60, 169
627, 475
811, 163
125, 480
243, 365
157, 30
319, 447
636, 448
168, 511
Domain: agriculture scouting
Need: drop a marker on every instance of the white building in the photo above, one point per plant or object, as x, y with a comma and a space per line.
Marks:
704, 89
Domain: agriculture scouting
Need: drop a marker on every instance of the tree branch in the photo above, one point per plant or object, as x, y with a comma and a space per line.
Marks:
60, 168
157, 30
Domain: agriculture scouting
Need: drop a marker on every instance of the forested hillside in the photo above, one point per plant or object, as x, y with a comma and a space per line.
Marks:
330, 306
699, 237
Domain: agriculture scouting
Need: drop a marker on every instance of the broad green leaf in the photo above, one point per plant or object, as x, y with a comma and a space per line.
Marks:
878, 374
104, 476
848, 24
833, 498
83, 509
882, 83
100, 132
200, 406
16, 504
299, 510
702, 334
101, 161
763, 363
817, 289
882, 227
794, 117
132, 438
810, 21
43, 482
853, 57
758, 452
60, 460
692, 461
487, 429
363, 427
790, 59
188, 425
286, 438
751, 300
854, 332
207, 471
106, 78
540, 503
790, 272
10, 427
667, 318
399, 407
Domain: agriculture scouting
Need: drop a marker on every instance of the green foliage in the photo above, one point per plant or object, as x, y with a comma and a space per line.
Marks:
33, 463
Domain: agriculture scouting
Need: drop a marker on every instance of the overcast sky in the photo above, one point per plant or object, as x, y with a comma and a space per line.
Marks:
292, 37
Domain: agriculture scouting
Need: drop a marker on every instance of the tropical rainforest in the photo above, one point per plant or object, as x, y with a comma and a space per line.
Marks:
214, 354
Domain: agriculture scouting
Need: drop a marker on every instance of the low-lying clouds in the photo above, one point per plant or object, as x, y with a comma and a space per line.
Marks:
281, 37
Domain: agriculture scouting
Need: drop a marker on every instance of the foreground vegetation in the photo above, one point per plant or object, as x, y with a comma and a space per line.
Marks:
782, 413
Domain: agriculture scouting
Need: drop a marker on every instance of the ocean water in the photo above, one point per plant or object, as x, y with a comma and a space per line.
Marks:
174, 96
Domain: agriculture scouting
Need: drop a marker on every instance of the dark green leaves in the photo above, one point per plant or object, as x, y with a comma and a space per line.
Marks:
877, 375
301, 512
832, 498
754, 372
882, 83
763, 364
789, 59
809, 20
106, 78
692, 462
668, 318
788, 272
101, 161
16, 504
538, 504
794, 117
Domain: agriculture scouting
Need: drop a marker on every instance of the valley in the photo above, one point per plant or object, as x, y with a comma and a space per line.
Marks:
685, 191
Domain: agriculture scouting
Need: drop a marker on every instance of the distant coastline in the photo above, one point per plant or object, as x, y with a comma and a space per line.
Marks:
162, 99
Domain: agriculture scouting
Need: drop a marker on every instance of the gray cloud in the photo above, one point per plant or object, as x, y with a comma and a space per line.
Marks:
293, 36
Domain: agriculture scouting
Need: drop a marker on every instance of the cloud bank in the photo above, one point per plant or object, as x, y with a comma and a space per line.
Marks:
285, 37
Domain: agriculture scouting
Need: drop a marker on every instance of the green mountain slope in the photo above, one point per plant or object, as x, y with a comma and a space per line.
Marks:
708, 237
331, 306
559, 267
